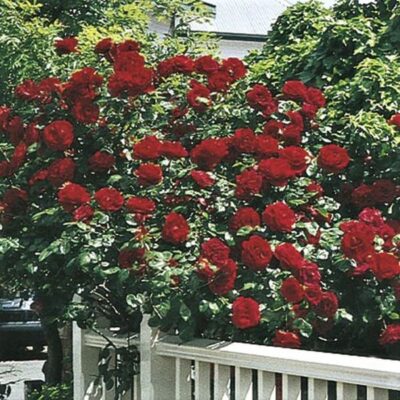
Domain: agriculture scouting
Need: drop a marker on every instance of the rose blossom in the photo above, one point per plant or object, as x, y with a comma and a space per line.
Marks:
101, 161
223, 281
72, 195
390, 335
109, 199
60, 171
256, 253
149, 174
286, 339
176, 229
59, 135
333, 158
215, 250
245, 216
279, 217
245, 313
140, 205
292, 290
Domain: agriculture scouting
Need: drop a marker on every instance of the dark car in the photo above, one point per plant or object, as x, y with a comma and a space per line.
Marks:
19, 326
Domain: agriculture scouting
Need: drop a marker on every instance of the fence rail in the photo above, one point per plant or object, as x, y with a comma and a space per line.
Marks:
208, 370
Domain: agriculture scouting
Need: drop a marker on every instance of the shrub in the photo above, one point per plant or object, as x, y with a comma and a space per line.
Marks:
181, 188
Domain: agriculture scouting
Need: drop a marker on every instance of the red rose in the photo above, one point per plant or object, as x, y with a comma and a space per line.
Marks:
395, 120
109, 199
279, 217
216, 251
66, 46
333, 158
315, 97
104, 46
59, 135
358, 243
177, 64
292, 132
286, 339
371, 216
248, 183
309, 274
316, 188
149, 174
209, 153
101, 161
176, 229
223, 281
140, 205
82, 84
60, 171
273, 128
313, 295
309, 110
15, 130
234, 67
83, 213
296, 90
362, 196
206, 65
292, 291
199, 97
245, 313
328, 305
72, 195
5, 169
244, 140
149, 148
128, 257
266, 146
85, 111
173, 150
297, 158
277, 171
256, 253
219, 81
28, 90
31, 134
391, 335
384, 191
385, 266
15, 200
18, 156
38, 176
289, 257
245, 216
205, 270
202, 178
259, 97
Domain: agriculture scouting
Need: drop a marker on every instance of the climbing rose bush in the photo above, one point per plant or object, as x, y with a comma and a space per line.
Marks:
187, 190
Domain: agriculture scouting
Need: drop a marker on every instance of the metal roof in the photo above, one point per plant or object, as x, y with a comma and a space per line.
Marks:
243, 17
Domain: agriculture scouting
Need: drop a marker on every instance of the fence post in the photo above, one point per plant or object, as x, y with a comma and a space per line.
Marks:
157, 373
77, 349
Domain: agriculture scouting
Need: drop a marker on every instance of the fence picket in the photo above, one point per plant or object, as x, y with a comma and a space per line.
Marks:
183, 384
377, 394
291, 387
266, 385
317, 389
243, 384
222, 382
345, 391
202, 381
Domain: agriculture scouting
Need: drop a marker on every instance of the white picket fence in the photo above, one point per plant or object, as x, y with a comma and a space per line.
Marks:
208, 370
